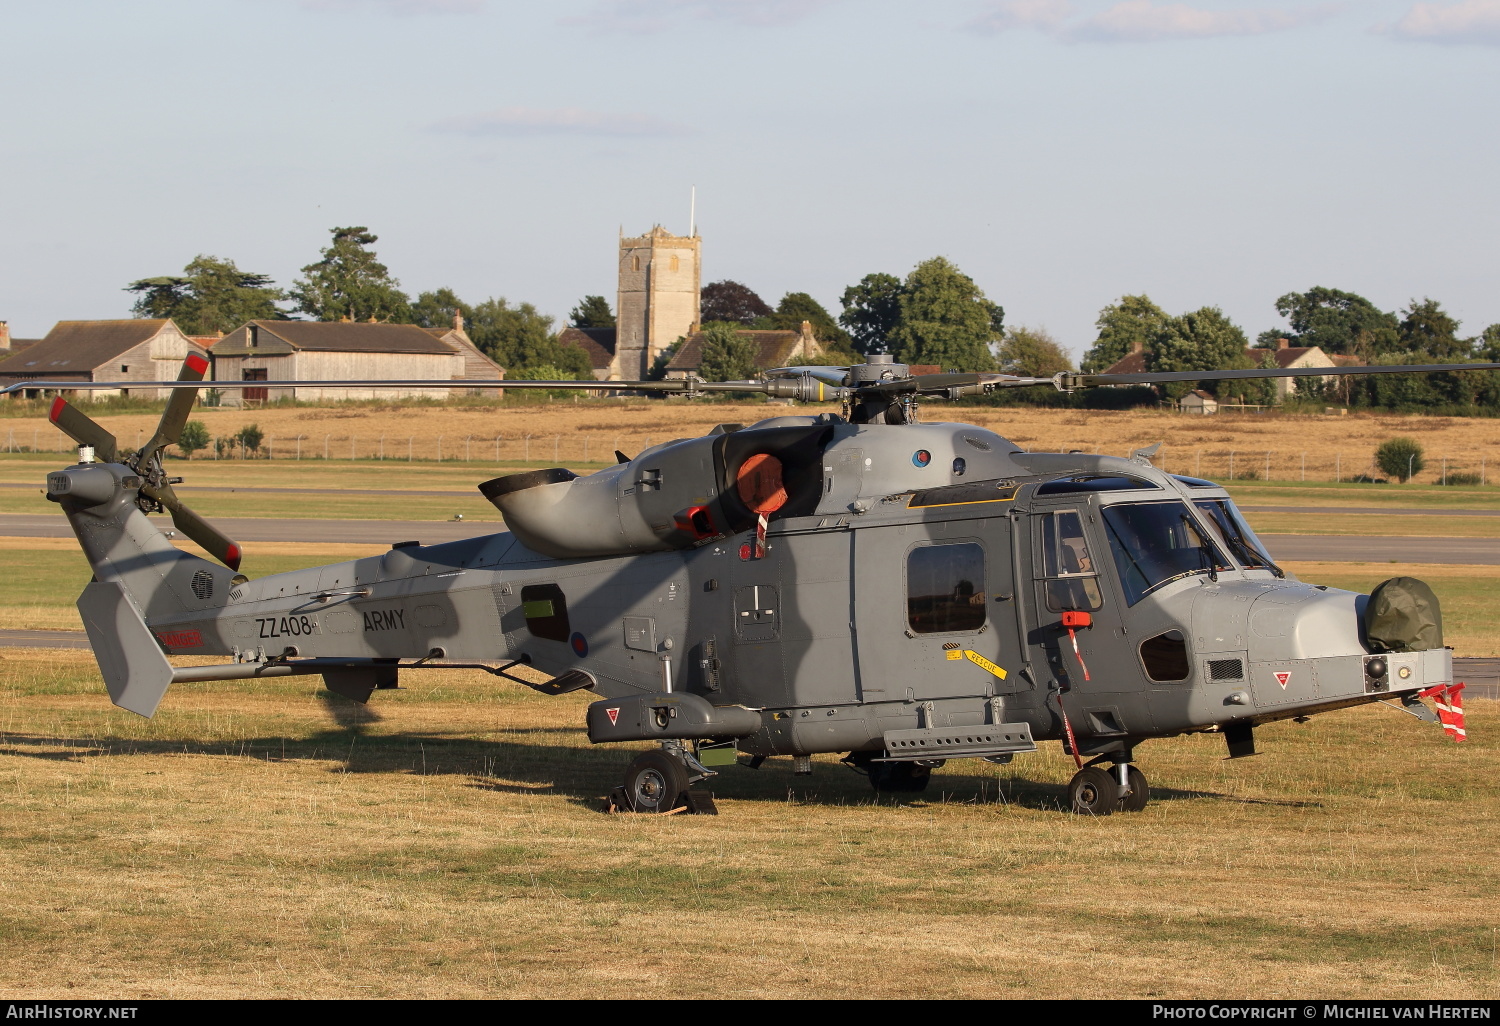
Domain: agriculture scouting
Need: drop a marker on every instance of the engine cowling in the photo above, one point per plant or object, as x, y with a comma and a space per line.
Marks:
672, 496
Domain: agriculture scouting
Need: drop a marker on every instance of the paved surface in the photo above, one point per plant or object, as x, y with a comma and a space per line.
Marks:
1368, 510
1335, 548
258, 529
1381, 548
384, 492
44, 639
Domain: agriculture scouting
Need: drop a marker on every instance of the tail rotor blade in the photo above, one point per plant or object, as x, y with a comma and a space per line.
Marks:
219, 545
82, 429
174, 418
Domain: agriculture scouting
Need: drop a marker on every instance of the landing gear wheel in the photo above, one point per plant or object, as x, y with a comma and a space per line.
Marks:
899, 777
1139, 794
1093, 792
655, 782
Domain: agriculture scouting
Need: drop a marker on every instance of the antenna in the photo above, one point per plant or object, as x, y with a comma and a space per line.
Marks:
693, 213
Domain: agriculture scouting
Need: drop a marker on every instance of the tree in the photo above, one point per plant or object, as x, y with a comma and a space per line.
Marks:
1336, 322
1251, 391
194, 437
730, 301
1487, 345
210, 295
945, 319
592, 312
520, 339
350, 284
1401, 458
796, 307
871, 311
1427, 328
437, 309
1032, 352
1202, 340
1123, 326
726, 354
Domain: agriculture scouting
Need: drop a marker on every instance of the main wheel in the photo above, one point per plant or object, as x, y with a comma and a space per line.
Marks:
655, 782
1139, 794
899, 777
1093, 792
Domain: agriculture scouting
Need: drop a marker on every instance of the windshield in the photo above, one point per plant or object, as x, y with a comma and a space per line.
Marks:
1236, 534
1157, 542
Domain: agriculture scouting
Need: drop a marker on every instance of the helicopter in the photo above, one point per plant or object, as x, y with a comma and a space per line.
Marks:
904, 593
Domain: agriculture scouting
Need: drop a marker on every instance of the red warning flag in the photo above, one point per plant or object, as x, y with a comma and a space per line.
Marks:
1450, 708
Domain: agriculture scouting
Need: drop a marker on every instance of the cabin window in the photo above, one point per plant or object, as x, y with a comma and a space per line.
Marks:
1072, 579
546, 611
945, 588
1165, 657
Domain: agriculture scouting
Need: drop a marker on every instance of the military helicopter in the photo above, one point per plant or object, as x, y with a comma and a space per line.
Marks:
860, 583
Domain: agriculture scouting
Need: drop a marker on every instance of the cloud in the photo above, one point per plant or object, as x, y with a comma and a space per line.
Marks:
655, 15
1141, 21
398, 7
1471, 21
1014, 14
521, 122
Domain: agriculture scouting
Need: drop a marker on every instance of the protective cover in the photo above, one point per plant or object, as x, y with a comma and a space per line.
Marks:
1403, 616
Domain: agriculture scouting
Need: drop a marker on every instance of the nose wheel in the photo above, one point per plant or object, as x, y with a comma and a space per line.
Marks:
1095, 791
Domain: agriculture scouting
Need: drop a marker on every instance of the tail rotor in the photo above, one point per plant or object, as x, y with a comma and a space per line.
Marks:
156, 494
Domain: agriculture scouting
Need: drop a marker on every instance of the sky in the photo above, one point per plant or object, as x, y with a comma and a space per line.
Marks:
1061, 152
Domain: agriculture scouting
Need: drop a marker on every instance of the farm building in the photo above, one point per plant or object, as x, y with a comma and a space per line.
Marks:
1198, 401
272, 351
773, 349
129, 350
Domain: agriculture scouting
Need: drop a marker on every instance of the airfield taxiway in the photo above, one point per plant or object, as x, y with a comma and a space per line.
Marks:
1328, 548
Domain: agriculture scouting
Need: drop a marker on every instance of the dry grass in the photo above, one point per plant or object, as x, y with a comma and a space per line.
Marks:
263, 840
587, 431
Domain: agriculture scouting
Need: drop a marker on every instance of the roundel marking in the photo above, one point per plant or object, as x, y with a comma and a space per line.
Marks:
921, 458
580, 644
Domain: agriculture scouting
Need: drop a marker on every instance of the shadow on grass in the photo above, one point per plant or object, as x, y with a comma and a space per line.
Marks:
581, 773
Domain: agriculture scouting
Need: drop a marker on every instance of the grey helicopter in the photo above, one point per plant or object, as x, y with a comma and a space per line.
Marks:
903, 593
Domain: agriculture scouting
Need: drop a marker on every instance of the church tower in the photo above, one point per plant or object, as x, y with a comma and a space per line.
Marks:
658, 297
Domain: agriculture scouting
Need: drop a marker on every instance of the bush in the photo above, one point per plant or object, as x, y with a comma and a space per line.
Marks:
1401, 458
1367, 479
1459, 477
194, 437
250, 437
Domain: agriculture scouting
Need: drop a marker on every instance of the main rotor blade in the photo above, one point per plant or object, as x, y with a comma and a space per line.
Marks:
82, 429
175, 416
804, 387
219, 545
1069, 380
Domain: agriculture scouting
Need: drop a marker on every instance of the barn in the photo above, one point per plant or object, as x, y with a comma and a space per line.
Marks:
81, 351
272, 351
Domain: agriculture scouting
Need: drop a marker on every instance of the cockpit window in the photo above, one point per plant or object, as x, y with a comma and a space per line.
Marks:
1236, 534
1157, 542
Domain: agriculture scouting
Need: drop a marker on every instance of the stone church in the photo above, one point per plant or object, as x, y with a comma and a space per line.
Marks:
657, 303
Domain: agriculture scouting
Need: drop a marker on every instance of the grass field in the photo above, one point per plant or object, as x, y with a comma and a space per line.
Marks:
1290, 447
266, 839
